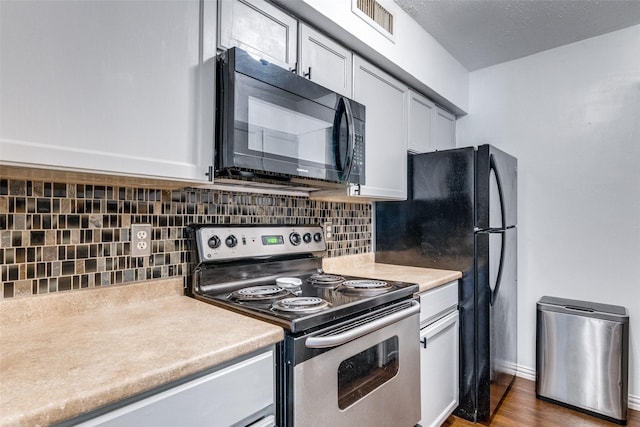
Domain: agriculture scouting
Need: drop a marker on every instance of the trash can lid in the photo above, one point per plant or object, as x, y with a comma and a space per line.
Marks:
586, 306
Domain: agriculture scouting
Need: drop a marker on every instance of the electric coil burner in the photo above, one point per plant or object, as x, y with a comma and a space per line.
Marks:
365, 287
360, 330
328, 280
300, 304
259, 293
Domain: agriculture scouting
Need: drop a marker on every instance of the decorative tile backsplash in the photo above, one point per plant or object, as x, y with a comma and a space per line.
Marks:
61, 236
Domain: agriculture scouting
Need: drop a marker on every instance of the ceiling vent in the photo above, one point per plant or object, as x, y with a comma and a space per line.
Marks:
375, 15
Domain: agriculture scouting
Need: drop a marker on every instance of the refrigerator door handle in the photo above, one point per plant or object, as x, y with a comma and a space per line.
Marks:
496, 288
493, 167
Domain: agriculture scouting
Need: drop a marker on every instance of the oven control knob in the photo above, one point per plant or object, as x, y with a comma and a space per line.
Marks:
307, 237
231, 241
214, 242
294, 238
317, 237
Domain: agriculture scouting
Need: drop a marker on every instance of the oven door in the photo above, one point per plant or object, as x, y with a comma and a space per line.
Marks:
271, 120
370, 380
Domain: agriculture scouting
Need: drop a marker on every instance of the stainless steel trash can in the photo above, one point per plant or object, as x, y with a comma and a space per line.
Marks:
582, 356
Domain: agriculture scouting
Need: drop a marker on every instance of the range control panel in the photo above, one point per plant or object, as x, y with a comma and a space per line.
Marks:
217, 243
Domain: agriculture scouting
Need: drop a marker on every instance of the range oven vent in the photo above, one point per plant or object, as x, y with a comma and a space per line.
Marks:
376, 15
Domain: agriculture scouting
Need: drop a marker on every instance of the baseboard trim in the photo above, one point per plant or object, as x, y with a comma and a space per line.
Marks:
530, 374
634, 402
526, 373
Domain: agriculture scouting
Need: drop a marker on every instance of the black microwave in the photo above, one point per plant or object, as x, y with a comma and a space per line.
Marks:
272, 123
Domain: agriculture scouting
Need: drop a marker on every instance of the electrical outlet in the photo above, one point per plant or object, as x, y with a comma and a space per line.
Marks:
328, 231
140, 240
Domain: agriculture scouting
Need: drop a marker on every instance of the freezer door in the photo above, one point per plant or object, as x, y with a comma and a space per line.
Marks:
434, 227
496, 185
496, 316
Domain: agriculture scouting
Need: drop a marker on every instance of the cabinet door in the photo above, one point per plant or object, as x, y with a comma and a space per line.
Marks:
439, 370
430, 127
421, 114
239, 393
324, 61
444, 129
102, 86
385, 132
258, 27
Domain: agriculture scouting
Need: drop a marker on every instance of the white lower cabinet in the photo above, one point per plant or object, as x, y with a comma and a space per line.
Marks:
241, 394
439, 352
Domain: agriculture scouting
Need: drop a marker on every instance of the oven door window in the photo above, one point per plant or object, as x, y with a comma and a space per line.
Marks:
362, 373
286, 133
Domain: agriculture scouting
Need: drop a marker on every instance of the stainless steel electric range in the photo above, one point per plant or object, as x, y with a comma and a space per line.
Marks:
350, 354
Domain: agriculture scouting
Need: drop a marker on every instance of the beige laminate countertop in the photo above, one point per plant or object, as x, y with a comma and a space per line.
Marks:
364, 265
65, 354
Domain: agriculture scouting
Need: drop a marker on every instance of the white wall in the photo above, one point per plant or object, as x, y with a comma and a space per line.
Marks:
572, 117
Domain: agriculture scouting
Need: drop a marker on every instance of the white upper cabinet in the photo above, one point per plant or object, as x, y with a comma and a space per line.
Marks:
258, 27
430, 128
421, 114
444, 133
385, 132
325, 62
107, 87
409, 52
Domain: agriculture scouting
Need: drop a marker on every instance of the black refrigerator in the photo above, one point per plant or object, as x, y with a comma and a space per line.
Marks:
460, 214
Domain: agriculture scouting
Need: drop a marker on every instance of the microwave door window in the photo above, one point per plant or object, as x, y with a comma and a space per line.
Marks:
280, 131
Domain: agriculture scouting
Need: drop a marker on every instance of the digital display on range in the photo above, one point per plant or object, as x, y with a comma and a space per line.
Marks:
272, 240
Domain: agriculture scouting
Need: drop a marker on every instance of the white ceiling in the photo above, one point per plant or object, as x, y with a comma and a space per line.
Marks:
481, 33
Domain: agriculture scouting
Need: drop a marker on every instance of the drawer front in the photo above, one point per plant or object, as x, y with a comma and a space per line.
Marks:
221, 398
436, 302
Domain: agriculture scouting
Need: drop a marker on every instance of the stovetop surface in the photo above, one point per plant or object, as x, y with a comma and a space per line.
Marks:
231, 258
342, 302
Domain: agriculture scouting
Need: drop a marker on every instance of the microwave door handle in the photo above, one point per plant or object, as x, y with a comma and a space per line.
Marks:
352, 137
344, 108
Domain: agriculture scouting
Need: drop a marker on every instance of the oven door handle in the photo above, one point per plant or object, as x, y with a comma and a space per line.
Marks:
359, 331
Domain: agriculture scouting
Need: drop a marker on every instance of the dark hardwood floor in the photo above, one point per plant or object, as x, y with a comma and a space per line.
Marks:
520, 408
